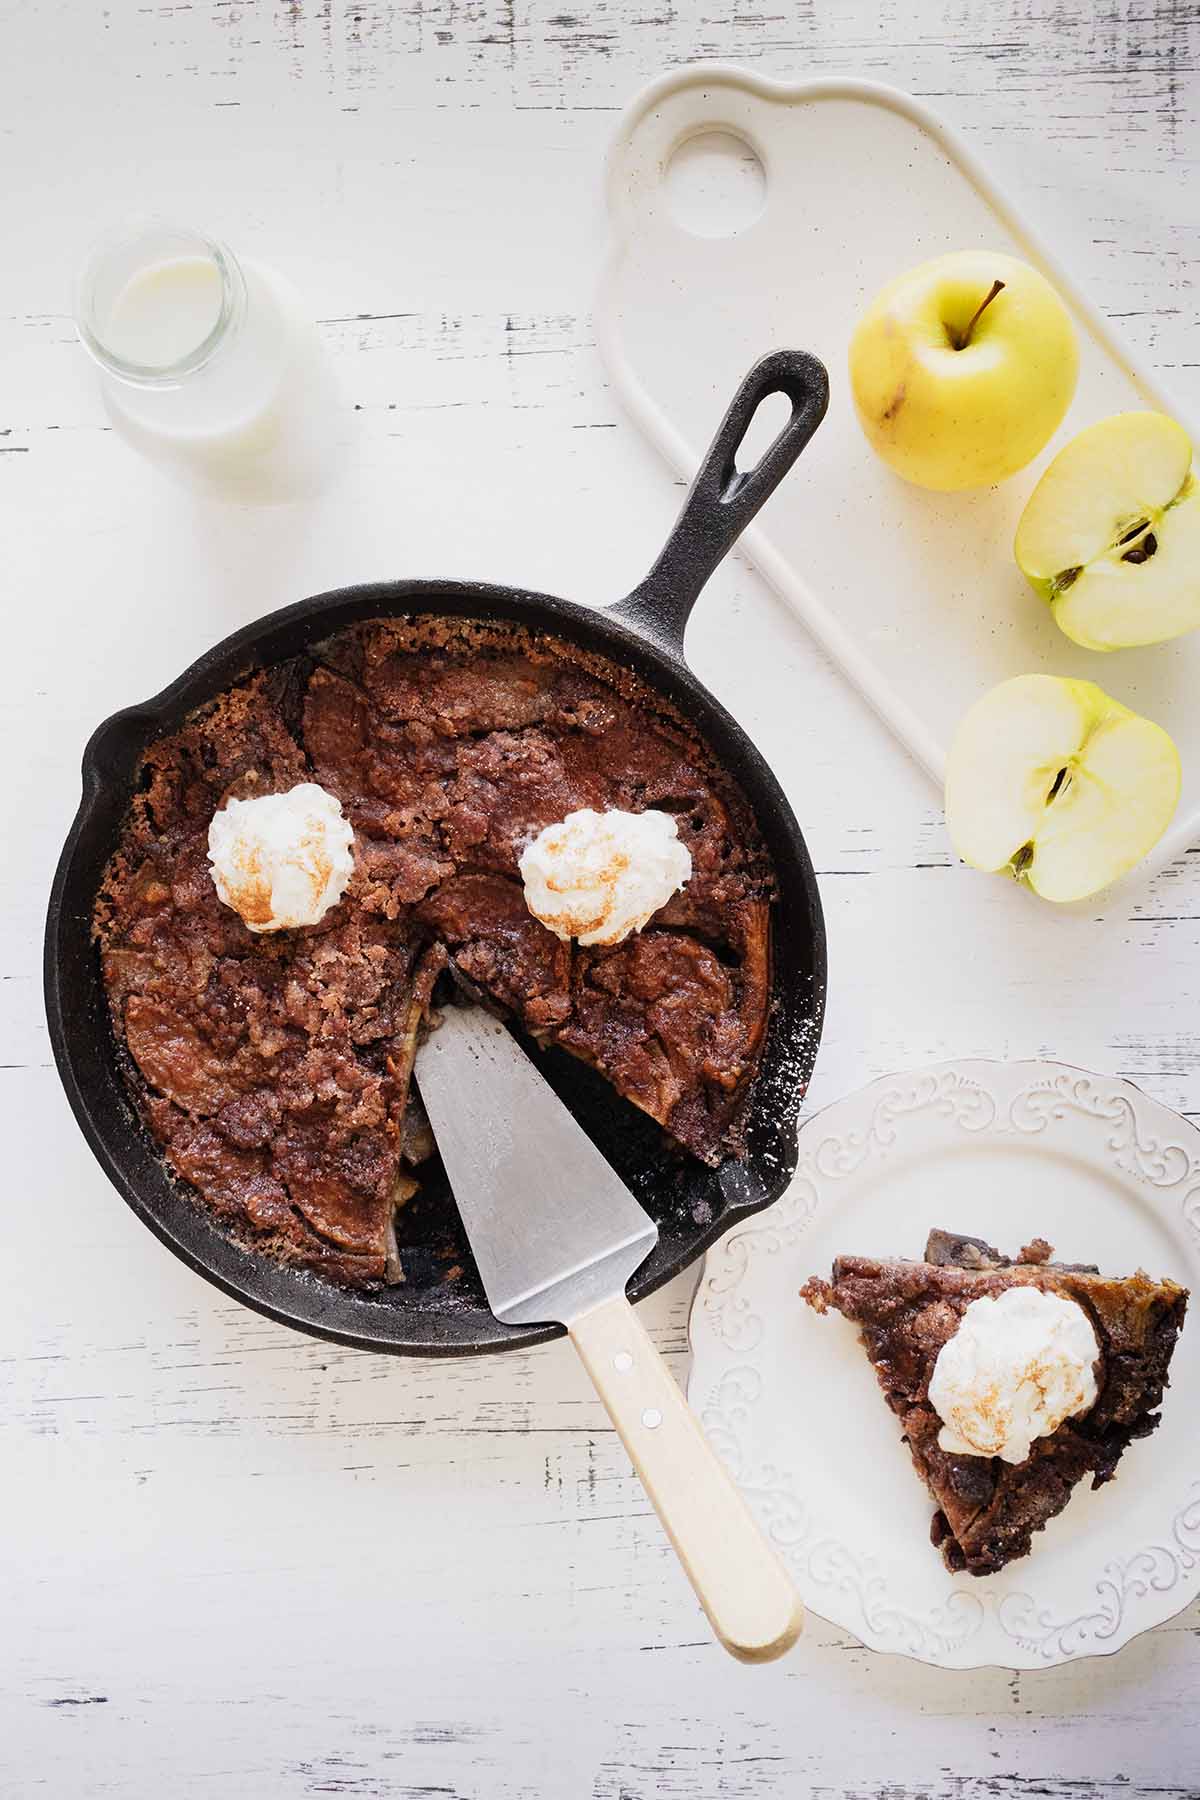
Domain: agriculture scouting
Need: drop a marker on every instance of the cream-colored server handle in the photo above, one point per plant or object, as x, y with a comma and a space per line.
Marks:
740, 1582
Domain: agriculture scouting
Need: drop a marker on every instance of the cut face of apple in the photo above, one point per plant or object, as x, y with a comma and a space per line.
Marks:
1057, 784
1111, 534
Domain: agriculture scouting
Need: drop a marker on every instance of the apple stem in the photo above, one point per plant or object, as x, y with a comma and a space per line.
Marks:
997, 287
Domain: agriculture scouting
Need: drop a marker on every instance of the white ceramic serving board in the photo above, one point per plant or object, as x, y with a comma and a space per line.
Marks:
915, 595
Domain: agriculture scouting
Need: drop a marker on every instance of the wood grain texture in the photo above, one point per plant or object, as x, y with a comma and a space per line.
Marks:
241, 1563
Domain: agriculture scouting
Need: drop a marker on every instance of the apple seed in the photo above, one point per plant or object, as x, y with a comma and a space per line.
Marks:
1143, 551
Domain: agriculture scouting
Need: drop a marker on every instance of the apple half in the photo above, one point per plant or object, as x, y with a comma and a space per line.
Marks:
1110, 535
1057, 784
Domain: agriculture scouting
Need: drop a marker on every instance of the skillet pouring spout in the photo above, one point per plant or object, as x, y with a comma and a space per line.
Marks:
691, 1204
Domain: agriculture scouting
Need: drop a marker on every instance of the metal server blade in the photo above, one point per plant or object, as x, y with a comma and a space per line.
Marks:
553, 1228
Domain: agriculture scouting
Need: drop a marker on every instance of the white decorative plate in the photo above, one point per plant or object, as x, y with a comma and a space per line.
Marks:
1008, 1152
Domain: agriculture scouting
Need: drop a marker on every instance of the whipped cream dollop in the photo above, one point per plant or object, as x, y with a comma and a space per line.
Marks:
1017, 1366
282, 860
599, 876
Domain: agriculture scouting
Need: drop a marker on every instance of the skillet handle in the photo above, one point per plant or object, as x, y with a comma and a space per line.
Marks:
738, 1579
723, 499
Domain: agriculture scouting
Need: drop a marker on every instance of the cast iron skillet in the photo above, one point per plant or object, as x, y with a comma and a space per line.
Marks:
440, 1309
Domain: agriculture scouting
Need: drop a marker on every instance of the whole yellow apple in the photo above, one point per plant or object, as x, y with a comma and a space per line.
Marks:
962, 369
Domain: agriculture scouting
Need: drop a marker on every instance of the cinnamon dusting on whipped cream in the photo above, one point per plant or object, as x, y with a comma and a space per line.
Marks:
1016, 1368
281, 860
597, 877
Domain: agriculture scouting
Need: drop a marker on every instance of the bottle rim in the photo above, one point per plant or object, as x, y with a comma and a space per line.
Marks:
123, 240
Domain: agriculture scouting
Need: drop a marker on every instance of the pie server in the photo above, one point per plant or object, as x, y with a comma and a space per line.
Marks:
556, 1235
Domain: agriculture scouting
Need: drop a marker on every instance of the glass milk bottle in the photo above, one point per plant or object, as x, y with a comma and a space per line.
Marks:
209, 366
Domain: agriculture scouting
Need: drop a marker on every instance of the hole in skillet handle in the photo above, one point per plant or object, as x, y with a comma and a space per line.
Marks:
723, 499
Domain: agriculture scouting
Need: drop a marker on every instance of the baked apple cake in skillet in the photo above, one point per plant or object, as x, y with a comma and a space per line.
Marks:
312, 857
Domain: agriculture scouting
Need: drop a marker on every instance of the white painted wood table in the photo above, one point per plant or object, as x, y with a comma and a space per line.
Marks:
235, 1561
